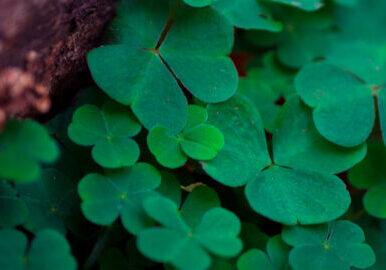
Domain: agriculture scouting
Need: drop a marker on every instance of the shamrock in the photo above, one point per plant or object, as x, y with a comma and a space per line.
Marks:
247, 14
51, 201
308, 5
187, 235
23, 145
197, 140
119, 193
298, 185
337, 246
13, 211
49, 250
371, 174
341, 91
275, 259
162, 47
109, 130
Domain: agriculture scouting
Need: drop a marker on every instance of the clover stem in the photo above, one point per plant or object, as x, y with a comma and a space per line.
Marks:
97, 249
167, 27
358, 215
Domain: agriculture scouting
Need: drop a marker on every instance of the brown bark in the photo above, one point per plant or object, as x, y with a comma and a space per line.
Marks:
43, 47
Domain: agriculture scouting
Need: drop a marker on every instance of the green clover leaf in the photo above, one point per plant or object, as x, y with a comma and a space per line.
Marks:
109, 131
119, 193
336, 245
51, 201
342, 118
187, 235
371, 174
23, 145
302, 169
49, 250
197, 140
308, 5
148, 66
13, 211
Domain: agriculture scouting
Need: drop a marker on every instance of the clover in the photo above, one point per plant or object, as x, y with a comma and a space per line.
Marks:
308, 5
370, 174
109, 131
187, 234
162, 46
13, 211
276, 257
197, 140
49, 250
343, 106
120, 194
23, 145
242, 14
337, 245
51, 201
298, 185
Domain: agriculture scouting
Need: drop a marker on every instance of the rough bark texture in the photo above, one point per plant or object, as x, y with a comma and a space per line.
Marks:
43, 46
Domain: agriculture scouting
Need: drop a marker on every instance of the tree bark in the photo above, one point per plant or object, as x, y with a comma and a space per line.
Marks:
43, 47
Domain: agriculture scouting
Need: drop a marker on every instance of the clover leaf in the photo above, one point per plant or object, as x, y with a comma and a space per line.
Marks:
197, 140
23, 145
336, 245
161, 61
371, 174
51, 201
302, 167
187, 236
49, 250
308, 5
334, 109
13, 211
109, 130
119, 193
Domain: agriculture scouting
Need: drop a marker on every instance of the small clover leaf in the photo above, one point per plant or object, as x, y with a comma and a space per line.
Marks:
186, 236
49, 250
23, 145
197, 140
336, 245
199, 3
161, 61
51, 201
254, 259
342, 118
244, 159
119, 193
109, 131
371, 174
13, 211
308, 5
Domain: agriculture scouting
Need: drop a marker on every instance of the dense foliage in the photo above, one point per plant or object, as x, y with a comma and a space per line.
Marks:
220, 134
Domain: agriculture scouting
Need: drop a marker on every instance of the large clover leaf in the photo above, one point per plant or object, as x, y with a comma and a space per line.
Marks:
309, 5
187, 235
119, 193
13, 211
109, 131
302, 167
148, 66
197, 140
23, 145
371, 174
51, 201
336, 246
343, 105
49, 250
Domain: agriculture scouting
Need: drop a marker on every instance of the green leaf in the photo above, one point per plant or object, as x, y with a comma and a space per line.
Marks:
13, 211
374, 201
245, 152
305, 197
297, 144
49, 250
185, 237
308, 5
51, 201
119, 193
254, 259
278, 252
247, 14
343, 119
198, 3
109, 130
170, 187
337, 246
382, 111
23, 145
